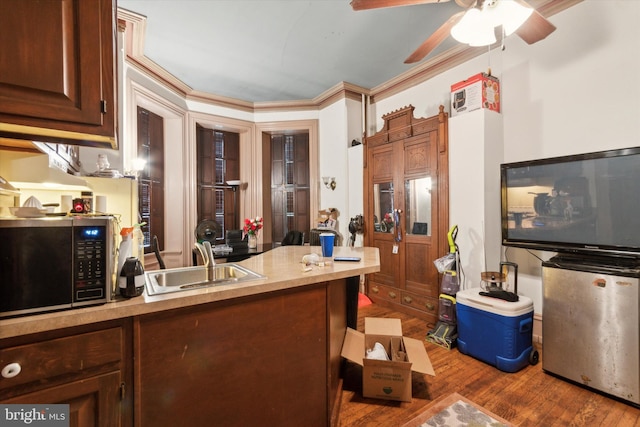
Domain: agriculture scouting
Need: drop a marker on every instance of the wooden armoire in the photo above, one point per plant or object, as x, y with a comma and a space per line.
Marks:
406, 196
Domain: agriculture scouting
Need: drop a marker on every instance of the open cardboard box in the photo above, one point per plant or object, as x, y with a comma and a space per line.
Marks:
386, 379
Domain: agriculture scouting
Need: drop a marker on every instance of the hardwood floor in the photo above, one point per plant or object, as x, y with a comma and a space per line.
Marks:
529, 397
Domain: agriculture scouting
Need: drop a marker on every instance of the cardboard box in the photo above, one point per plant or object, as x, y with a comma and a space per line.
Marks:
327, 218
386, 379
478, 91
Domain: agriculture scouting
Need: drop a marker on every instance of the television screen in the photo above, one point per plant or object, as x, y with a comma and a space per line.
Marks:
587, 203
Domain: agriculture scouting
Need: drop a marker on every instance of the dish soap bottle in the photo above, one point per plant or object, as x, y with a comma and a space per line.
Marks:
138, 241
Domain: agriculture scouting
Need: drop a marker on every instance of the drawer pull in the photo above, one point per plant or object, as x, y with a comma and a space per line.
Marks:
375, 290
11, 370
408, 299
392, 294
430, 306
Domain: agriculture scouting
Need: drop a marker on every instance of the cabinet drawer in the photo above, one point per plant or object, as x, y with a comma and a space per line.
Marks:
46, 360
387, 292
426, 304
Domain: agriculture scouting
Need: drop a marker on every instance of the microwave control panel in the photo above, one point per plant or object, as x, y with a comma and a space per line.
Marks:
90, 261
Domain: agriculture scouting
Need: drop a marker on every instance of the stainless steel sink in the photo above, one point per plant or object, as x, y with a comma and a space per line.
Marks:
182, 279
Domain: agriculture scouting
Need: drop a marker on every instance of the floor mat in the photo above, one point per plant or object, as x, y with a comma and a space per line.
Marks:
457, 411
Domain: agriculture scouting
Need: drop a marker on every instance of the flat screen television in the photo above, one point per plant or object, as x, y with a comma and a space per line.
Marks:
586, 204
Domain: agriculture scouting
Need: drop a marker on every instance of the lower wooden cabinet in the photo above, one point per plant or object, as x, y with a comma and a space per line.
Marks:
270, 360
92, 401
88, 368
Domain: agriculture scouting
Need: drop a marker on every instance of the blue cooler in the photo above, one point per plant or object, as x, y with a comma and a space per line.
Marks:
495, 331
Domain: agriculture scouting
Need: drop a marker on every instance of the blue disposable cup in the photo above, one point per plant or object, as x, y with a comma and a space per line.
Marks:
326, 242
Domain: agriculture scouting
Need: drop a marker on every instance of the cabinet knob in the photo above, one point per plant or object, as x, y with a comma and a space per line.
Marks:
408, 299
11, 370
375, 290
430, 306
392, 294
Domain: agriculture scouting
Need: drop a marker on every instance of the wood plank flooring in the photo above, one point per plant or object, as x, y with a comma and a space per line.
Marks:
529, 397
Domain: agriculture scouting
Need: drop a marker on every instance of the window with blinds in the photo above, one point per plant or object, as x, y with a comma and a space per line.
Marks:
151, 179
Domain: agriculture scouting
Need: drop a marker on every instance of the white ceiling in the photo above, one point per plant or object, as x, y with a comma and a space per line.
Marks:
283, 50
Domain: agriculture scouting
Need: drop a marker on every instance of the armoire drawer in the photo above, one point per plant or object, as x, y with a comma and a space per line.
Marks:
386, 292
426, 304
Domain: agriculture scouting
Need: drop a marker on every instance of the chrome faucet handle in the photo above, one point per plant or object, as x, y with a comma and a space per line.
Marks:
200, 249
206, 252
210, 262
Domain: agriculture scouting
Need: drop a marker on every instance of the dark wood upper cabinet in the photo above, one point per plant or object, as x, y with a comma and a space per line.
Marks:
57, 71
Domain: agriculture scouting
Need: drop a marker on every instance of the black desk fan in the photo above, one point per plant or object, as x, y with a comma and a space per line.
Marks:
208, 230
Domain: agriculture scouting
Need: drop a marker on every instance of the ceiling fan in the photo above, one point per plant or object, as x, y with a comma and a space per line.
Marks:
476, 24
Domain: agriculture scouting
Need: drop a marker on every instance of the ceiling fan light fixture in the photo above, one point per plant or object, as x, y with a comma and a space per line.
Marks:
511, 15
469, 26
476, 27
483, 37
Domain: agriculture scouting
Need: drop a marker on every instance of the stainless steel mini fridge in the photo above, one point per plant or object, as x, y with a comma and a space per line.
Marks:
590, 326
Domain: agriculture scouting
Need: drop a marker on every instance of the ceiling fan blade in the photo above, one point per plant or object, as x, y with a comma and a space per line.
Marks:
536, 28
434, 39
377, 4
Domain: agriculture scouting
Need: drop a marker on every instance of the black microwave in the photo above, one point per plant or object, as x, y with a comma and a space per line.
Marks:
55, 263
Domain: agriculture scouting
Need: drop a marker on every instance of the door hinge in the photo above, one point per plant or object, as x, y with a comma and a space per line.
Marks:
103, 106
122, 391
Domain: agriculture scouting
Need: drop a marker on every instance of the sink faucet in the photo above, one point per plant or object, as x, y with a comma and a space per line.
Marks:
209, 261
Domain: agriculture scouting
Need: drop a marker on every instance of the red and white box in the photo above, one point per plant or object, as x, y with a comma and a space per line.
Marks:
478, 91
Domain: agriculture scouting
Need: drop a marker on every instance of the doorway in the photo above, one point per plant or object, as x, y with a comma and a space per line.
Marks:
290, 184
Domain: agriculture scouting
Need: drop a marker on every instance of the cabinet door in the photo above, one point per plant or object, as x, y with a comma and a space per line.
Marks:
92, 402
384, 162
262, 361
57, 71
419, 206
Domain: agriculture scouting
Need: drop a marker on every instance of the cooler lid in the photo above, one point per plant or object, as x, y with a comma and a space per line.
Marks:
472, 298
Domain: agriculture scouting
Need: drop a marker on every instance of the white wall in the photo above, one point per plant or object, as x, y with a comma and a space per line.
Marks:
574, 92
475, 152
355, 196
356, 188
333, 162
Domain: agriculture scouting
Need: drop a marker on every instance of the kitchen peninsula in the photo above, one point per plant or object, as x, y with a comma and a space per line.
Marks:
264, 352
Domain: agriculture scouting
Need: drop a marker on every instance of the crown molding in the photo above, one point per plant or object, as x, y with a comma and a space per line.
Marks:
134, 26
